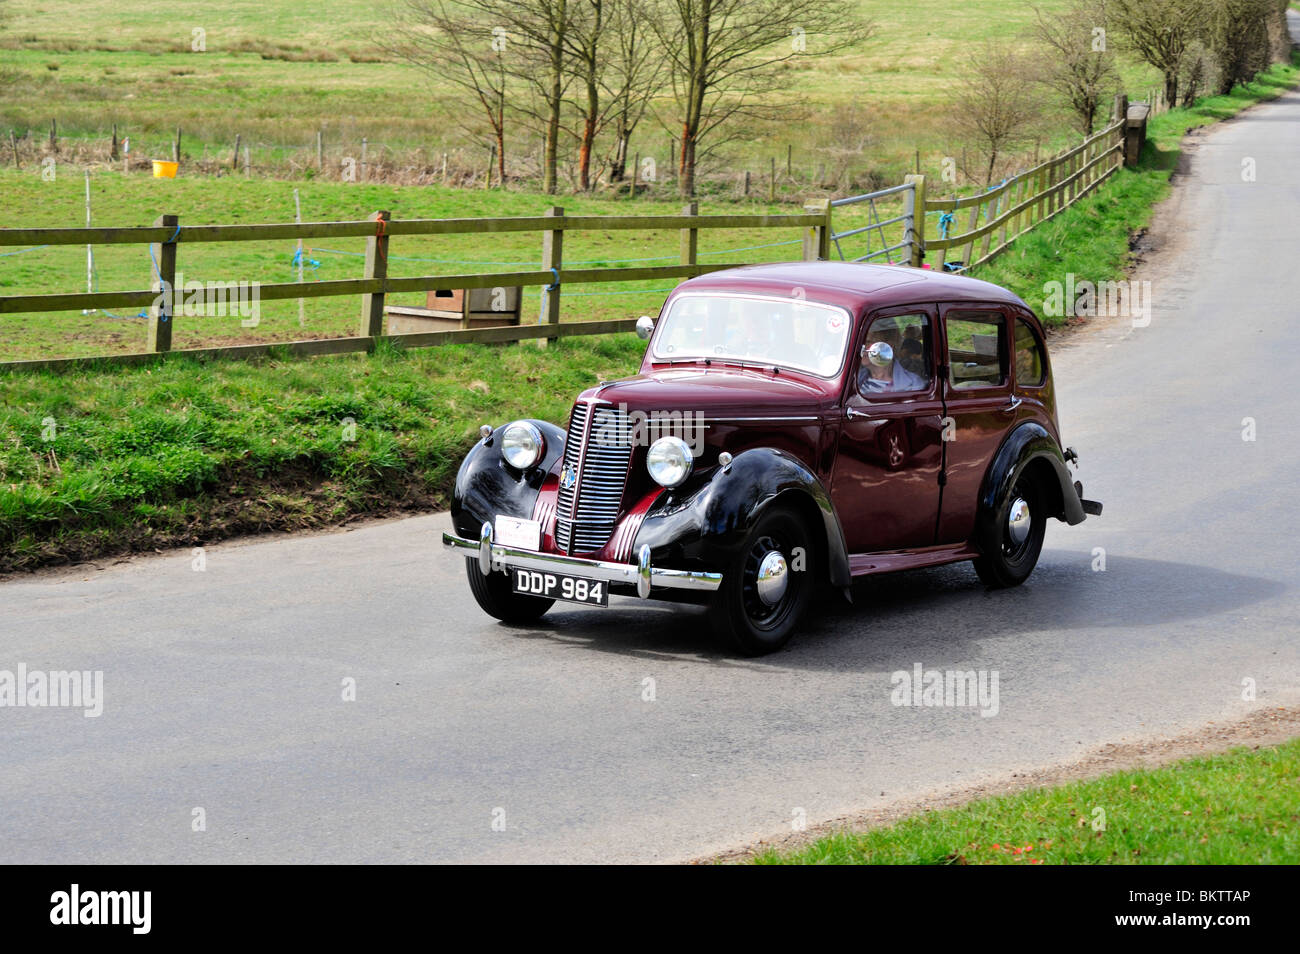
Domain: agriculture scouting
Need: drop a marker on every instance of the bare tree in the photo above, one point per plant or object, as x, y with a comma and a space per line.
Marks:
722, 55
491, 48
450, 45
631, 76
584, 45
996, 105
1196, 74
1161, 32
610, 53
1237, 34
848, 137
1077, 66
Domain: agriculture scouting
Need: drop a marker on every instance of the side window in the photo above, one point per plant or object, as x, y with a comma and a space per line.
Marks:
976, 349
895, 356
1029, 356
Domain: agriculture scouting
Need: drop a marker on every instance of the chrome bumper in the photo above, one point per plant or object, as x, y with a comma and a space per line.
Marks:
642, 575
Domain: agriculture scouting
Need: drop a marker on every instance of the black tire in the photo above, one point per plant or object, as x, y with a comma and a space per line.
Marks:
1004, 561
751, 626
493, 594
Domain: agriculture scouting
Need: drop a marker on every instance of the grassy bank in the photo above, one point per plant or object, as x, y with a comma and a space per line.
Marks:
1091, 239
1231, 809
185, 453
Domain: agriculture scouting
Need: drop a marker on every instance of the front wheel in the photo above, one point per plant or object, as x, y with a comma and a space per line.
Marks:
494, 595
1019, 525
767, 587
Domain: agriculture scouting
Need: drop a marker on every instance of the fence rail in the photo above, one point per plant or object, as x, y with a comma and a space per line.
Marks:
167, 236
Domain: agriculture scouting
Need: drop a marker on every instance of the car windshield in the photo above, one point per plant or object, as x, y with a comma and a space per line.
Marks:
787, 332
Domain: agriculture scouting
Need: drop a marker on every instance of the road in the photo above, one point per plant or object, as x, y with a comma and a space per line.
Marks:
224, 689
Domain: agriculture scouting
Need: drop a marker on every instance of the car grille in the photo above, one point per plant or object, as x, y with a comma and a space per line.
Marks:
587, 512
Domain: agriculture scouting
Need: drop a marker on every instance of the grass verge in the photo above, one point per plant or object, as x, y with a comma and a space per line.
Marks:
1240, 807
185, 452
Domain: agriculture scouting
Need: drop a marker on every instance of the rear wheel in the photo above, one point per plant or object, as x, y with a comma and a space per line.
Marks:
1011, 553
493, 593
767, 588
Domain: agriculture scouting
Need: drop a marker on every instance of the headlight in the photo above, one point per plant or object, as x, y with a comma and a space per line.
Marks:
522, 445
669, 461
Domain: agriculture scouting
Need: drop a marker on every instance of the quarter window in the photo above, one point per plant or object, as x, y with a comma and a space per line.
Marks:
977, 350
1029, 356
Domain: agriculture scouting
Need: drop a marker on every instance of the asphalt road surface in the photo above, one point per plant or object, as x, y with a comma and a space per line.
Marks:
224, 689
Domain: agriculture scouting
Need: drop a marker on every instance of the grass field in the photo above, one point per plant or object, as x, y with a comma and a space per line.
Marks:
1239, 808
276, 72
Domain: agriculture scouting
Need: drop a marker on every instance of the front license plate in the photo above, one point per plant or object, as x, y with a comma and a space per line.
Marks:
517, 532
557, 586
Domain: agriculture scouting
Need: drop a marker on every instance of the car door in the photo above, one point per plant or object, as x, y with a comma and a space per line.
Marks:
885, 484
981, 408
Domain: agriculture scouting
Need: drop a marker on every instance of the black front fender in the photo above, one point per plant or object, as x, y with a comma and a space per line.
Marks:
1029, 445
703, 523
486, 485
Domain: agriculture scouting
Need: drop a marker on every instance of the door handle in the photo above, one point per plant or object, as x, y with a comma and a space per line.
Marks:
853, 414
1015, 403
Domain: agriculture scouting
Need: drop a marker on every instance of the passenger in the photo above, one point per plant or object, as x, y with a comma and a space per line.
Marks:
881, 371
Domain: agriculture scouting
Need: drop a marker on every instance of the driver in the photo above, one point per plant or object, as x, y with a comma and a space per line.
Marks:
881, 370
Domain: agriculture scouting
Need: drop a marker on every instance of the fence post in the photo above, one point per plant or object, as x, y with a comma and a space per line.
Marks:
372, 303
690, 237
817, 238
914, 209
970, 246
161, 312
552, 259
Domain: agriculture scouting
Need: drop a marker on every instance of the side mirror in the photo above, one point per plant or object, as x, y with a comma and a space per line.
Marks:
879, 354
645, 326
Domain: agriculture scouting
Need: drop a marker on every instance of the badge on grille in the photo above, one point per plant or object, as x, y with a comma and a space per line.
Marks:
568, 477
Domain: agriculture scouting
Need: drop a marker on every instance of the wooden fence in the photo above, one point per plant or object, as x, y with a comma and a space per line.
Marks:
993, 220
167, 236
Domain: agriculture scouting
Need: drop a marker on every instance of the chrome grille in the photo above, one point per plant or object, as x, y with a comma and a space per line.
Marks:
602, 473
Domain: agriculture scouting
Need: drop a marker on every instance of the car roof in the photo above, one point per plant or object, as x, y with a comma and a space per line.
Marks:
852, 285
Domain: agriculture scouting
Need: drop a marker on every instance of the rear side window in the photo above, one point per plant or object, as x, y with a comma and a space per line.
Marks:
976, 349
1030, 366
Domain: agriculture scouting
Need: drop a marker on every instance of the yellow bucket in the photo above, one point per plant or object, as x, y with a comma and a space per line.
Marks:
164, 170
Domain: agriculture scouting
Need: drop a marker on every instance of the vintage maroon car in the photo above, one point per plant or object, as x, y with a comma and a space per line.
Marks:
792, 426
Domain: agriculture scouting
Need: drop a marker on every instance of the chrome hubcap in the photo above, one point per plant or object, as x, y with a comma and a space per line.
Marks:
1019, 521
773, 578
